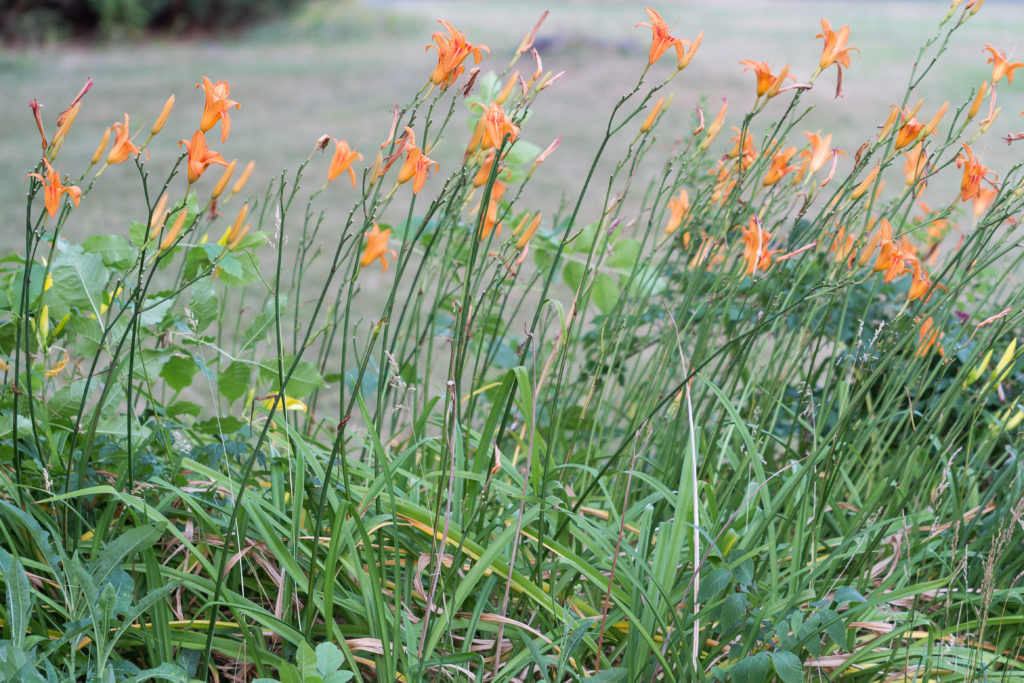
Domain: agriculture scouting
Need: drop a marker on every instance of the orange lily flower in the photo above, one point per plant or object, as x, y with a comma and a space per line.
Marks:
678, 208
779, 166
767, 82
842, 244
377, 248
755, 247
916, 163
491, 218
199, 156
416, 165
748, 155
342, 161
820, 152
217, 105
1001, 65
123, 147
53, 189
912, 129
883, 236
835, 50
974, 173
492, 128
927, 338
922, 283
986, 195
661, 41
484, 173
452, 50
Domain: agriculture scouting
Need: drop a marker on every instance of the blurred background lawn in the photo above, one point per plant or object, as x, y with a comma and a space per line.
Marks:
339, 68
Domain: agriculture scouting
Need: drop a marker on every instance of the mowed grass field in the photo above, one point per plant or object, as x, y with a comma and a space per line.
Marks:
340, 68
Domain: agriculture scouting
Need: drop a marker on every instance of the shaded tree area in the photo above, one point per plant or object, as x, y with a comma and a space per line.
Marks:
31, 21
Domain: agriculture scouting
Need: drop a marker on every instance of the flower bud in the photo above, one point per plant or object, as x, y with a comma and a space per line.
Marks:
245, 176
224, 179
164, 113
98, 154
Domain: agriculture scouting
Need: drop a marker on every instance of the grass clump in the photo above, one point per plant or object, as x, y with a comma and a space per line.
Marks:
761, 418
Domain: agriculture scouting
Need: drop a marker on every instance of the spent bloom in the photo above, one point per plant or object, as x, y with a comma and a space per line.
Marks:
342, 161
53, 189
217, 105
377, 247
452, 50
199, 156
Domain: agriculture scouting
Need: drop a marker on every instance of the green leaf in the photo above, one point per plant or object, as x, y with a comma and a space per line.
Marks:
787, 666
305, 657
179, 370
605, 293
66, 401
19, 601
834, 626
233, 381
329, 658
732, 610
155, 310
304, 380
625, 254
608, 676
79, 279
137, 233
713, 583
127, 544
847, 594
115, 250
572, 274
751, 669
203, 306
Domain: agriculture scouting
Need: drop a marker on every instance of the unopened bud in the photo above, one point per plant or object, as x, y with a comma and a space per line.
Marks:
978, 99
168, 241
224, 179
101, 149
245, 177
164, 113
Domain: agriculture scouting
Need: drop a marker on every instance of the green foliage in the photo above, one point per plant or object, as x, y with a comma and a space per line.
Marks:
732, 446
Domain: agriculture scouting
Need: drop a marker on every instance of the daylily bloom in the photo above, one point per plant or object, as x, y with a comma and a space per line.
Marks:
779, 166
755, 247
452, 50
912, 129
199, 156
661, 41
882, 236
678, 209
820, 151
916, 163
491, 222
986, 195
748, 154
53, 189
921, 285
492, 128
767, 82
842, 244
416, 165
927, 337
974, 173
835, 50
377, 248
486, 167
123, 147
217, 105
1001, 65
342, 161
